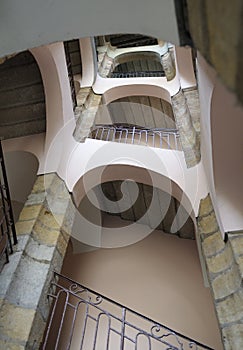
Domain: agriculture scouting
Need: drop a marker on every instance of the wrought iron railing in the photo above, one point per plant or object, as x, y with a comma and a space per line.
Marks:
138, 74
70, 74
8, 235
159, 138
83, 319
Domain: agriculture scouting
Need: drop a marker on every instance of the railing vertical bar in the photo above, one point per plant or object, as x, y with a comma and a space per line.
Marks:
126, 131
108, 135
84, 326
62, 320
114, 134
168, 141
108, 334
133, 132
123, 328
139, 139
102, 133
120, 136
72, 327
97, 132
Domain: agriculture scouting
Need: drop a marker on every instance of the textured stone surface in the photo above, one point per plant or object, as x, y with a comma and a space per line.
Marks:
16, 322
236, 242
86, 119
6, 345
219, 40
233, 337
231, 309
213, 244
193, 104
168, 66
25, 289
208, 224
42, 246
223, 262
205, 206
189, 138
220, 261
226, 283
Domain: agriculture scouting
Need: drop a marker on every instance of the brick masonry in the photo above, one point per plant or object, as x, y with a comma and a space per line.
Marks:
43, 235
224, 265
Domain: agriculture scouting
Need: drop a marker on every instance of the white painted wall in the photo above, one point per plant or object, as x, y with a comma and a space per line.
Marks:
221, 146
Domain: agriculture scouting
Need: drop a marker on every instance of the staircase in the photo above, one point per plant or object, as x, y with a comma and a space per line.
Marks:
83, 319
22, 98
131, 40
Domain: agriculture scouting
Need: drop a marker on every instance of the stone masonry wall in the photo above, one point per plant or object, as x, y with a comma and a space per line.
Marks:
43, 237
85, 113
224, 263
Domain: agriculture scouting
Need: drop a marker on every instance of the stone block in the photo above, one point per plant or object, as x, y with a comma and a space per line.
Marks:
30, 212
36, 198
213, 244
45, 235
230, 310
233, 337
24, 227
7, 345
206, 206
220, 261
16, 322
226, 283
236, 242
26, 287
8, 272
48, 219
38, 251
208, 224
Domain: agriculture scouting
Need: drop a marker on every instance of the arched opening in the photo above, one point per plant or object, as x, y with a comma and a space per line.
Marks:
22, 98
137, 64
144, 111
158, 275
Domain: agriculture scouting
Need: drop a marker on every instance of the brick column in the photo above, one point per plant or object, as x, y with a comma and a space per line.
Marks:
43, 234
168, 65
188, 135
224, 265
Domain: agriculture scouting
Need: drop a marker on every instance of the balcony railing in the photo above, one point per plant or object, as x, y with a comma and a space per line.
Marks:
141, 74
7, 229
159, 138
83, 319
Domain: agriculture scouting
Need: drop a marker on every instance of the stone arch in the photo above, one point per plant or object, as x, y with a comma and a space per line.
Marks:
140, 175
59, 110
136, 90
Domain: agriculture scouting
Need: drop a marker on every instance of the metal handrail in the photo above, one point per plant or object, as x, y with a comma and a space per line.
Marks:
155, 137
137, 74
85, 307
